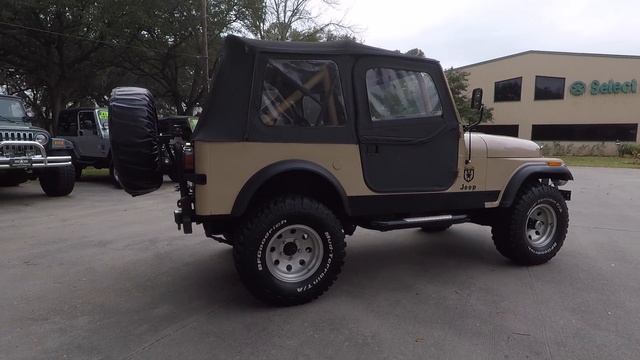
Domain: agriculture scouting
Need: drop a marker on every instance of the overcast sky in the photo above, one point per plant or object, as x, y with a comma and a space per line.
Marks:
461, 32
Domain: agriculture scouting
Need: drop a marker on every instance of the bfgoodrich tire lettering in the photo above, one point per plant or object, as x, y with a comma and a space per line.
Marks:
254, 246
520, 233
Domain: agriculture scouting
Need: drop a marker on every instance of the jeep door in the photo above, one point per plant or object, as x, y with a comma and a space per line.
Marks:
407, 125
88, 137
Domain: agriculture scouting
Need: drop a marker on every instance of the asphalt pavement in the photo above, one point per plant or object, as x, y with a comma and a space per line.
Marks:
100, 274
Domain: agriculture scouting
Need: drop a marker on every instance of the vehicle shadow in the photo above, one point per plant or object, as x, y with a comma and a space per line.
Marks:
21, 193
383, 262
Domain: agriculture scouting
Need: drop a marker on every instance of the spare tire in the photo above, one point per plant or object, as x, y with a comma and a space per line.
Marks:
133, 132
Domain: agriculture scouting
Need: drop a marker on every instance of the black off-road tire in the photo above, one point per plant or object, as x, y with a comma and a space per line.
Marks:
509, 232
58, 181
260, 227
78, 171
435, 228
133, 133
113, 175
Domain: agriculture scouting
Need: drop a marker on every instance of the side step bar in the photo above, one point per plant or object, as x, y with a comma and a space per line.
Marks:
417, 222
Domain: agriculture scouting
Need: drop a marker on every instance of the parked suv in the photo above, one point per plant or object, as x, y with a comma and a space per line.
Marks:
28, 152
88, 130
301, 143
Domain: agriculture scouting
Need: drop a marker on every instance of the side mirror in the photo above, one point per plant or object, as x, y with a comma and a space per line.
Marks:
476, 98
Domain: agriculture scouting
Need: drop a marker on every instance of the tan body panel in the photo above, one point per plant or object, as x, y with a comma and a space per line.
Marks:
229, 165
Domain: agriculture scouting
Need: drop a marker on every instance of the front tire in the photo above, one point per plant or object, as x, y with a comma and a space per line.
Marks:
58, 181
534, 229
290, 251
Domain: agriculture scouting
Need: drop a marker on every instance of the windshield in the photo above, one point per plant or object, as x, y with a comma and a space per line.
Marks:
11, 110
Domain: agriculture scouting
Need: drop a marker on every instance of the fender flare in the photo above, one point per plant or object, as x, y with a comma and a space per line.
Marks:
251, 187
539, 171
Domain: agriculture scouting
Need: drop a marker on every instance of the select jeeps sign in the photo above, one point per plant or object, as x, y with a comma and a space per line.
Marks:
578, 88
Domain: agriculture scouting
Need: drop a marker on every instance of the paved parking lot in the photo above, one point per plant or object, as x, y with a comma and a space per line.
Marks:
102, 275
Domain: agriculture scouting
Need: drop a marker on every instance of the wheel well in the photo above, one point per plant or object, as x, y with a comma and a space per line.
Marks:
301, 182
530, 174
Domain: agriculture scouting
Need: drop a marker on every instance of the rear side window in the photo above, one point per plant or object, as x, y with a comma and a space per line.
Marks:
401, 94
303, 93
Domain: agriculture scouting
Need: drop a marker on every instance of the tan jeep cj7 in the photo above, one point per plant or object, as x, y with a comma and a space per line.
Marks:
301, 143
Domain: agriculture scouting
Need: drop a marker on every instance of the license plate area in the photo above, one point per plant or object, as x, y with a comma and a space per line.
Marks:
20, 162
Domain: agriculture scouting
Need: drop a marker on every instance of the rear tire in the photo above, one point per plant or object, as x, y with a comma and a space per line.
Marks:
290, 251
534, 229
58, 181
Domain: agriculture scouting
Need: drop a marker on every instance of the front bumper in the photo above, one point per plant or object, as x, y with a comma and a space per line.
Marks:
31, 162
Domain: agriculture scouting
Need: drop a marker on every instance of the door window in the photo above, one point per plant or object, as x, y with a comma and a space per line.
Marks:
305, 93
87, 122
67, 124
401, 94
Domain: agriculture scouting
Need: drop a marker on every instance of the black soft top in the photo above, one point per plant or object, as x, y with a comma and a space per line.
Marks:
340, 47
230, 112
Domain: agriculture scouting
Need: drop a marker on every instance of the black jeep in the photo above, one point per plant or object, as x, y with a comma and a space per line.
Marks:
28, 152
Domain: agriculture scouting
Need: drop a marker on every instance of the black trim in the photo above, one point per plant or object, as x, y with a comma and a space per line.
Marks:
404, 224
534, 170
198, 179
419, 204
258, 179
584, 132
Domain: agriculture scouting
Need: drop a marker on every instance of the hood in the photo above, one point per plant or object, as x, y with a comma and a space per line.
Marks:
510, 147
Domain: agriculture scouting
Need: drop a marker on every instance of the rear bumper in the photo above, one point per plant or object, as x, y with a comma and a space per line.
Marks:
31, 162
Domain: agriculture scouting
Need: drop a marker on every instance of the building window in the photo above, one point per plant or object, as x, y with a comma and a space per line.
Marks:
508, 90
400, 94
585, 132
506, 130
305, 93
549, 88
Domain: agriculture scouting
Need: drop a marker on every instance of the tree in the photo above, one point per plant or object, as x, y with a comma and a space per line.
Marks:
459, 84
167, 47
415, 52
56, 48
285, 20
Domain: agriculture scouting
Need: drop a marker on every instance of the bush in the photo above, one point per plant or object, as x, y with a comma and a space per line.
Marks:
628, 149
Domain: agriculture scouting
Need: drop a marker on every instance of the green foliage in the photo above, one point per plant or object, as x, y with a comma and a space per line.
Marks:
629, 149
293, 20
60, 53
415, 52
459, 85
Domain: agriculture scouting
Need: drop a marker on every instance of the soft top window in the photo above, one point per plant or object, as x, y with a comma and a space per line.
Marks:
305, 93
401, 94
